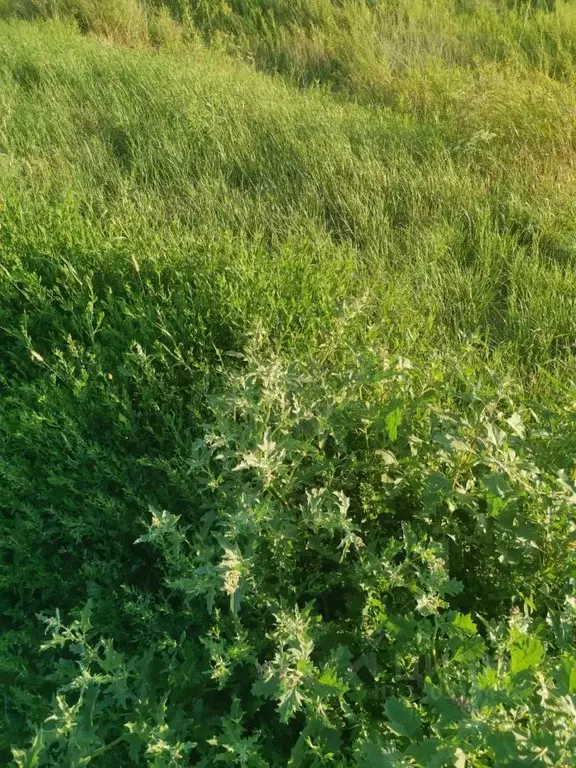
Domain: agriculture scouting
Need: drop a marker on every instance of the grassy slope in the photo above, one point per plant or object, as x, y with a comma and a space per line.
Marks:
445, 229
155, 208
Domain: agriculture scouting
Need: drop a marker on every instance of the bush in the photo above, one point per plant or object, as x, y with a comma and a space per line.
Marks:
375, 571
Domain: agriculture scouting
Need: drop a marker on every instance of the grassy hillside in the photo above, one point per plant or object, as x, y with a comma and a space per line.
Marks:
287, 358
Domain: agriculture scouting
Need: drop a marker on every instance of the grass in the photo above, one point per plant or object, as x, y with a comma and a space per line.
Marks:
442, 229
346, 183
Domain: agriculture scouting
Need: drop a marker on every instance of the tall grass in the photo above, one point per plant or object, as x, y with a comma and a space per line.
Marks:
126, 21
359, 46
439, 231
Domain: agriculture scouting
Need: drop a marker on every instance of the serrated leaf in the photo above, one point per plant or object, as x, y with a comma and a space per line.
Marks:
431, 753
290, 703
423, 751
393, 421
265, 688
504, 746
331, 683
447, 708
403, 718
119, 691
437, 488
526, 654
464, 623
451, 587
373, 755
135, 742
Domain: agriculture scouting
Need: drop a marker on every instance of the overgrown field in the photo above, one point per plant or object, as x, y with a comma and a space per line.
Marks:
287, 383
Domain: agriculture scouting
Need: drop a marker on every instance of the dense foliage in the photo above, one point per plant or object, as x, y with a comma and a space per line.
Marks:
379, 569
287, 429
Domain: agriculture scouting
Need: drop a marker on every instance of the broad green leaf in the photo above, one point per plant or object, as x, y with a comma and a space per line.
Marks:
387, 457
504, 744
464, 623
374, 755
331, 683
438, 487
565, 677
451, 587
433, 753
424, 751
445, 440
496, 484
488, 679
495, 505
526, 654
265, 689
236, 599
445, 706
403, 718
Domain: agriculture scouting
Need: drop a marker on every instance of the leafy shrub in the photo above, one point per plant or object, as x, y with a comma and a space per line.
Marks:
379, 570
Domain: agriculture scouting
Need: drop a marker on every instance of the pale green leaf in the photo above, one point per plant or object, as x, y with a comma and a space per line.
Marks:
526, 654
393, 421
463, 622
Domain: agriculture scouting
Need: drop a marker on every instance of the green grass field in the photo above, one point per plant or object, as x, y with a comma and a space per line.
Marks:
287, 383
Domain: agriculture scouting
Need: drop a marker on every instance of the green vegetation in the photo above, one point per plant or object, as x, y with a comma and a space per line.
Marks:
287, 376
